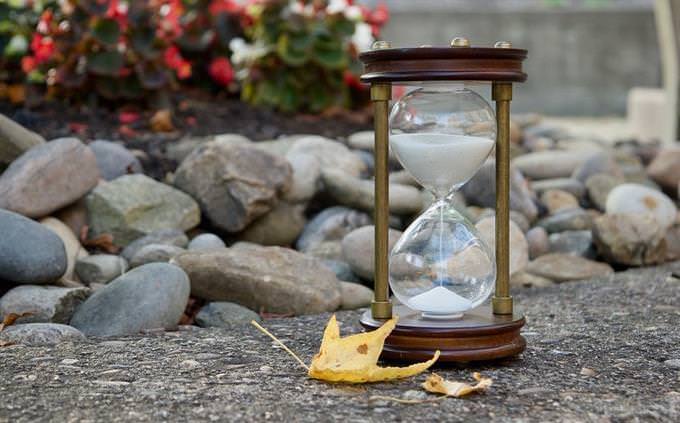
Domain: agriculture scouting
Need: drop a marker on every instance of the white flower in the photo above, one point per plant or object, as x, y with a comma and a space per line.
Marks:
296, 7
243, 53
363, 36
353, 13
336, 6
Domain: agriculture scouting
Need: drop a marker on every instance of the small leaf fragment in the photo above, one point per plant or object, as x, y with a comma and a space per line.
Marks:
9, 319
438, 385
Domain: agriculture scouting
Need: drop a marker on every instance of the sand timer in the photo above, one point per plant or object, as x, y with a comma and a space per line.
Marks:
440, 271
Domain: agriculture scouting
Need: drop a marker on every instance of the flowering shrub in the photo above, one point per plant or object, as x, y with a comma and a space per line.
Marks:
303, 54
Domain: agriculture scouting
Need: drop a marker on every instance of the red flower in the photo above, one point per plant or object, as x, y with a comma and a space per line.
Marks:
171, 15
42, 47
184, 70
28, 64
351, 80
221, 71
128, 117
174, 60
119, 12
224, 6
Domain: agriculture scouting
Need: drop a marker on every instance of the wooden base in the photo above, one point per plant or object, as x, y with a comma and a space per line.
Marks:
478, 336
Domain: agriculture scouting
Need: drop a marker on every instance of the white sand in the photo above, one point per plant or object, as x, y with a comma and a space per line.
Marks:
440, 300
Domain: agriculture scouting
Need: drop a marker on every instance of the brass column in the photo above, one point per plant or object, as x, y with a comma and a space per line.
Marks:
502, 301
381, 308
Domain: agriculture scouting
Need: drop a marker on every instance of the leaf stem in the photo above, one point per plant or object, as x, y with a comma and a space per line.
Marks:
288, 350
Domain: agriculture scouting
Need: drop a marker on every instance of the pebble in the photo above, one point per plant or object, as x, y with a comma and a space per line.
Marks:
588, 372
639, 199
306, 178
519, 247
578, 243
564, 267
331, 154
74, 250
573, 186
39, 334
46, 304
206, 242
154, 253
358, 249
567, 220
174, 237
342, 270
665, 168
280, 226
225, 315
633, 240
599, 186
599, 163
556, 200
673, 363
551, 164
524, 279
355, 296
539, 244
100, 268
114, 160
331, 224
15, 140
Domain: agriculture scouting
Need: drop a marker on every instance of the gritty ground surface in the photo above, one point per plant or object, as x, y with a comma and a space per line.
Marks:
624, 327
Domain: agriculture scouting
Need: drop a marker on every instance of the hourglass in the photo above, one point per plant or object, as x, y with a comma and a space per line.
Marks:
440, 271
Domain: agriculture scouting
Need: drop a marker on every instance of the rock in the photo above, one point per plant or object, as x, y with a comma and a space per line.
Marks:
349, 191
368, 160
599, 163
481, 190
665, 168
149, 297
556, 200
573, 186
47, 304
551, 164
592, 145
281, 226
639, 199
326, 250
672, 240
38, 334
154, 253
342, 270
358, 249
578, 243
15, 140
539, 129
332, 224
206, 242
519, 219
355, 296
74, 250
30, 253
331, 155
225, 315
272, 279
539, 144
673, 363
174, 237
100, 268
539, 244
403, 177
74, 216
567, 220
519, 247
363, 140
629, 239
306, 178
114, 160
523, 279
48, 177
233, 184
565, 267
279, 146
132, 206
516, 133
599, 186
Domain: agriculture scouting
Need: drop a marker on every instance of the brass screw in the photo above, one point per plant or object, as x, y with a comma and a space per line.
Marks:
460, 42
381, 45
503, 44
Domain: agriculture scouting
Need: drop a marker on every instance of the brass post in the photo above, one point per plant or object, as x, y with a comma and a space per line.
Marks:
381, 308
502, 301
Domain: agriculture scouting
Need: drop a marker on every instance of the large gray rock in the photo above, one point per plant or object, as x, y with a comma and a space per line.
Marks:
273, 279
567, 220
481, 190
342, 270
15, 140
551, 164
233, 184
225, 315
639, 199
154, 253
281, 226
152, 296
30, 253
566, 267
332, 224
174, 237
48, 177
46, 304
355, 296
114, 160
665, 168
578, 243
100, 268
206, 242
331, 154
358, 249
629, 239
132, 206
38, 334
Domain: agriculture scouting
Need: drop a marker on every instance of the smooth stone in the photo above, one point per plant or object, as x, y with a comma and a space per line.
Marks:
206, 242
362, 140
639, 199
132, 206
581, 145
673, 363
15, 140
578, 243
331, 224
100, 268
403, 177
573, 186
40, 334
630, 239
567, 220
306, 178
48, 177
180, 150
271, 279
519, 247
672, 240
149, 297
326, 250
46, 304
540, 129
481, 190
281, 226
74, 216
551, 164
539, 144
225, 315
358, 249
355, 296
154, 253
368, 160
539, 243
665, 168
233, 184
30, 253
342, 270
516, 133
565, 267
519, 219
74, 250
331, 155
524, 279
114, 160
174, 237
556, 200
360, 193
599, 163
599, 186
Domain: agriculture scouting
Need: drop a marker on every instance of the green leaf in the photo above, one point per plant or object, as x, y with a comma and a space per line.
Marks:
142, 41
106, 31
106, 63
329, 53
294, 49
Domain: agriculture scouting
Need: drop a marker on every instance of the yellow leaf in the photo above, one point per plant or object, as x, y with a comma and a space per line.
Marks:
439, 385
354, 358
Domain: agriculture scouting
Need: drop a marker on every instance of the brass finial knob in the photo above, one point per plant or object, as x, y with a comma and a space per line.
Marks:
381, 45
460, 42
503, 44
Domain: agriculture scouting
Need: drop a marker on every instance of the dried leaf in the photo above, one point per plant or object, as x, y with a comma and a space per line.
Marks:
354, 358
6, 343
161, 121
9, 319
439, 385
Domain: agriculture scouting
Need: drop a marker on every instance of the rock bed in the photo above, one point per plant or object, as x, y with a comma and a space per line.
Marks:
88, 240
